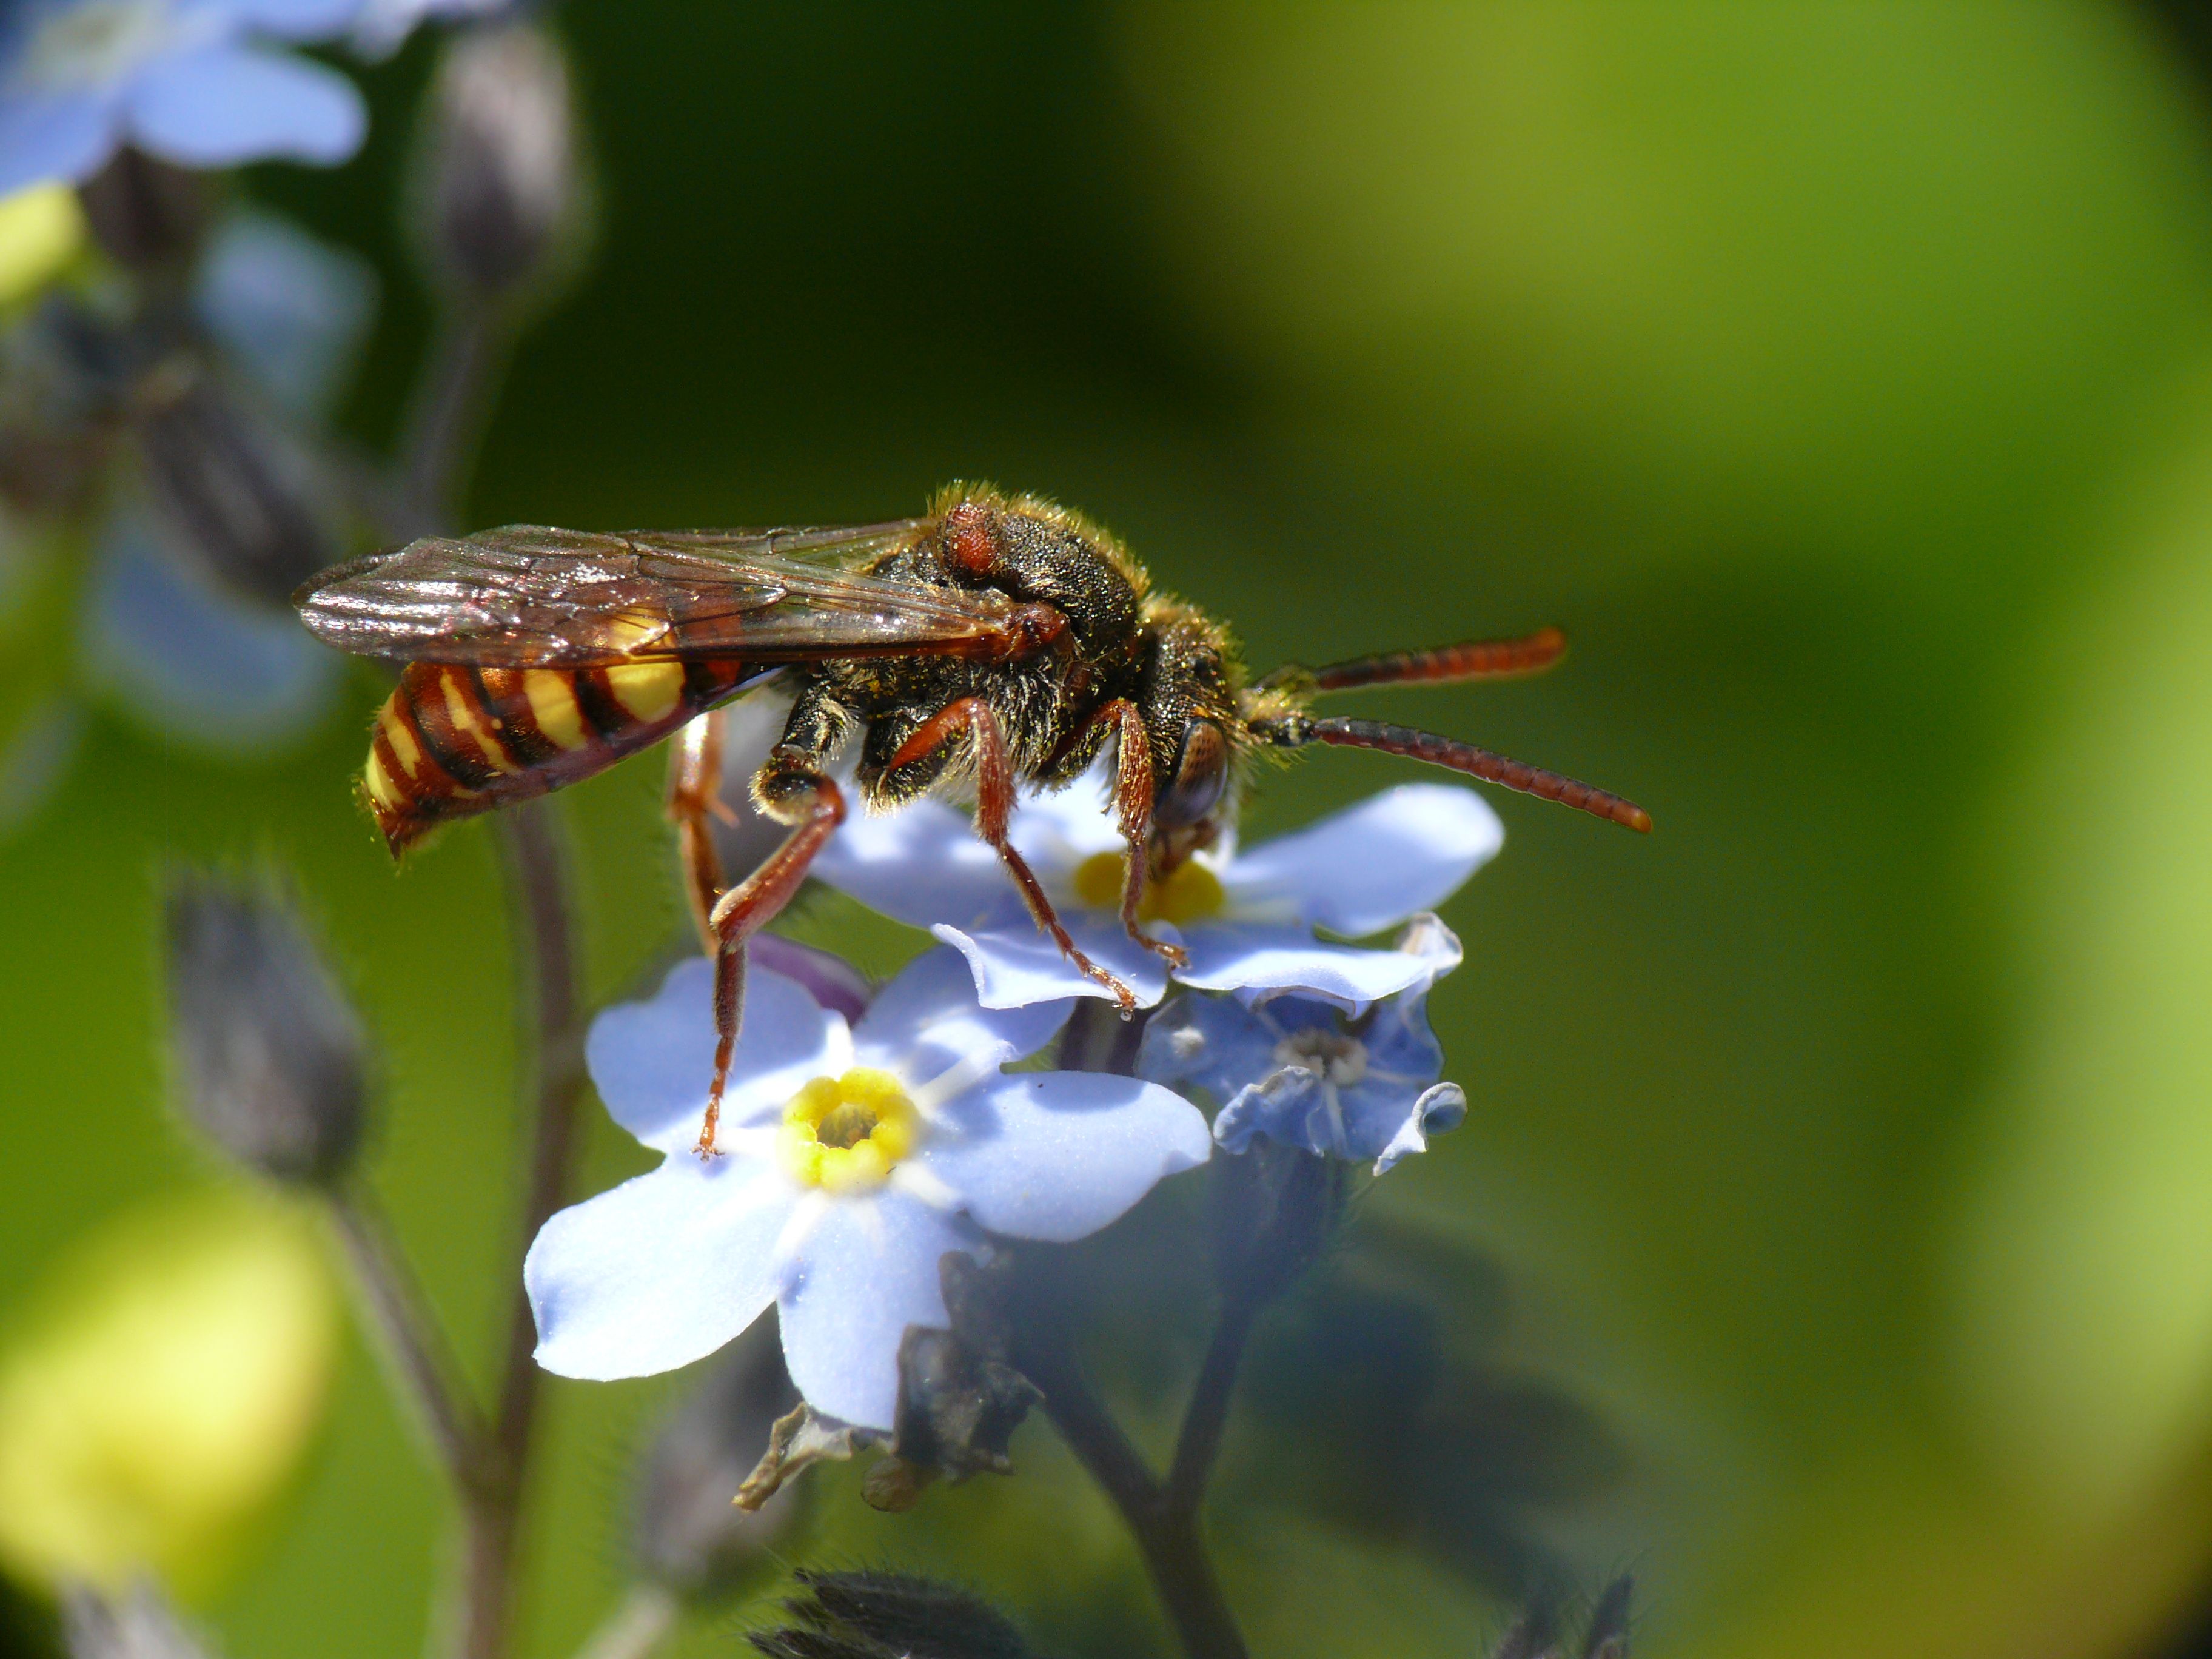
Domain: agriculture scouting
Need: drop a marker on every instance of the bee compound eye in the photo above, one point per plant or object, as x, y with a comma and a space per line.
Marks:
1201, 775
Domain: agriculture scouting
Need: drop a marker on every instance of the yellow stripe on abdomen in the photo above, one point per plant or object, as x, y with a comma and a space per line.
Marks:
649, 690
553, 705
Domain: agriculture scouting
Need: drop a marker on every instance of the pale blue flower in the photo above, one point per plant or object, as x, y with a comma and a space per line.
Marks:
1247, 917
1309, 1075
290, 309
853, 1159
383, 25
198, 665
193, 82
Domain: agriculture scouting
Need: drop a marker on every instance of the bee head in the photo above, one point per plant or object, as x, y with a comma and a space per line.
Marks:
1193, 724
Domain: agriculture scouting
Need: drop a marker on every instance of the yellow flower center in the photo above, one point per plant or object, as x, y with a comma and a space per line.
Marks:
1189, 892
844, 1133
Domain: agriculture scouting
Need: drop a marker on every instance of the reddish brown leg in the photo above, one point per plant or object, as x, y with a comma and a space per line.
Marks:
994, 808
694, 796
817, 807
1133, 816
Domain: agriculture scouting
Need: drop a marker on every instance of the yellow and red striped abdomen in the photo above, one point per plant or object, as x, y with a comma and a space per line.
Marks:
452, 741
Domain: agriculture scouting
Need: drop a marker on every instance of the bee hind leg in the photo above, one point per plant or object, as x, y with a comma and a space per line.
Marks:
808, 800
994, 808
694, 798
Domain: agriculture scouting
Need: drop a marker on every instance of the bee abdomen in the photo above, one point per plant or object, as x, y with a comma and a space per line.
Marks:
452, 741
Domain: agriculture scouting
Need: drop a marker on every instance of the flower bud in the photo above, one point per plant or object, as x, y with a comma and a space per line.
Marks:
141, 1626
878, 1615
500, 190
243, 498
690, 1537
268, 1053
1607, 1635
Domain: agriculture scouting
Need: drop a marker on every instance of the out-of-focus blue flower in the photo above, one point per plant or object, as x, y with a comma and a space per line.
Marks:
288, 308
200, 666
853, 1158
193, 82
1306, 1074
1247, 917
383, 25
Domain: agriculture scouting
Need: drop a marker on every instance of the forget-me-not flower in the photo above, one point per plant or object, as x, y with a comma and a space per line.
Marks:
853, 1157
193, 82
1247, 916
1307, 1074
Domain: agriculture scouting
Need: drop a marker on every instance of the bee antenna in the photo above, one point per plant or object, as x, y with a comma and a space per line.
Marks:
1476, 659
1295, 731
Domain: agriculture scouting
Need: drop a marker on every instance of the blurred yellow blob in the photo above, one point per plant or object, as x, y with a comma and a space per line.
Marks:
158, 1392
39, 229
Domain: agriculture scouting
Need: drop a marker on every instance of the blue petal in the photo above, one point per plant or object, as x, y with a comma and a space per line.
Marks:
1371, 866
223, 105
62, 135
926, 1021
1057, 1155
1289, 1106
384, 24
1213, 1043
1019, 964
292, 20
867, 1270
921, 865
1057, 830
292, 308
1266, 959
1436, 1111
653, 1062
660, 1272
203, 669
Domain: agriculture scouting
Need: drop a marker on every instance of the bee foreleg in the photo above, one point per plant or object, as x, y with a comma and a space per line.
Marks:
1133, 816
695, 795
814, 805
994, 808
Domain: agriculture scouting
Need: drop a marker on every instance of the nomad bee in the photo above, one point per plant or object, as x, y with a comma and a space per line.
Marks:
1000, 641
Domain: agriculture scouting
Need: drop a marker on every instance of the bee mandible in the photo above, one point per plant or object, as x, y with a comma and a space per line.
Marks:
999, 641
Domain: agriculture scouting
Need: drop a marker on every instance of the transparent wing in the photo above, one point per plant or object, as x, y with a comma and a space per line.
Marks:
531, 596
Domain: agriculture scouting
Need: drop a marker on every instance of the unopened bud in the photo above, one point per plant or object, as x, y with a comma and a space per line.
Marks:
872, 1616
145, 212
141, 1626
243, 498
960, 1400
499, 191
690, 1537
268, 1053
1607, 1635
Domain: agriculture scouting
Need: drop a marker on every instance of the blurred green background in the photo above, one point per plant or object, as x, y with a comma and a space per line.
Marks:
1840, 376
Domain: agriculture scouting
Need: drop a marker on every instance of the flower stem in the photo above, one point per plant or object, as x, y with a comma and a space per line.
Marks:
450, 404
545, 952
636, 1628
1163, 1523
414, 1344
1161, 1515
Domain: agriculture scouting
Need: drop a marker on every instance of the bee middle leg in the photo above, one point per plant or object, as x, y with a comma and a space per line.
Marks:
792, 789
994, 808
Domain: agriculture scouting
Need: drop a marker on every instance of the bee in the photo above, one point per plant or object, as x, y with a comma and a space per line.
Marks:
996, 641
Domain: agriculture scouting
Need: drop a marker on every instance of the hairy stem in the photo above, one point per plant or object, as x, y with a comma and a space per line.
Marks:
1161, 1515
414, 1348
1165, 1529
636, 1628
545, 952
1206, 1418
445, 421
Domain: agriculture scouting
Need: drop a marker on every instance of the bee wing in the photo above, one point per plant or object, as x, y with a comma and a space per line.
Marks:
528, 596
